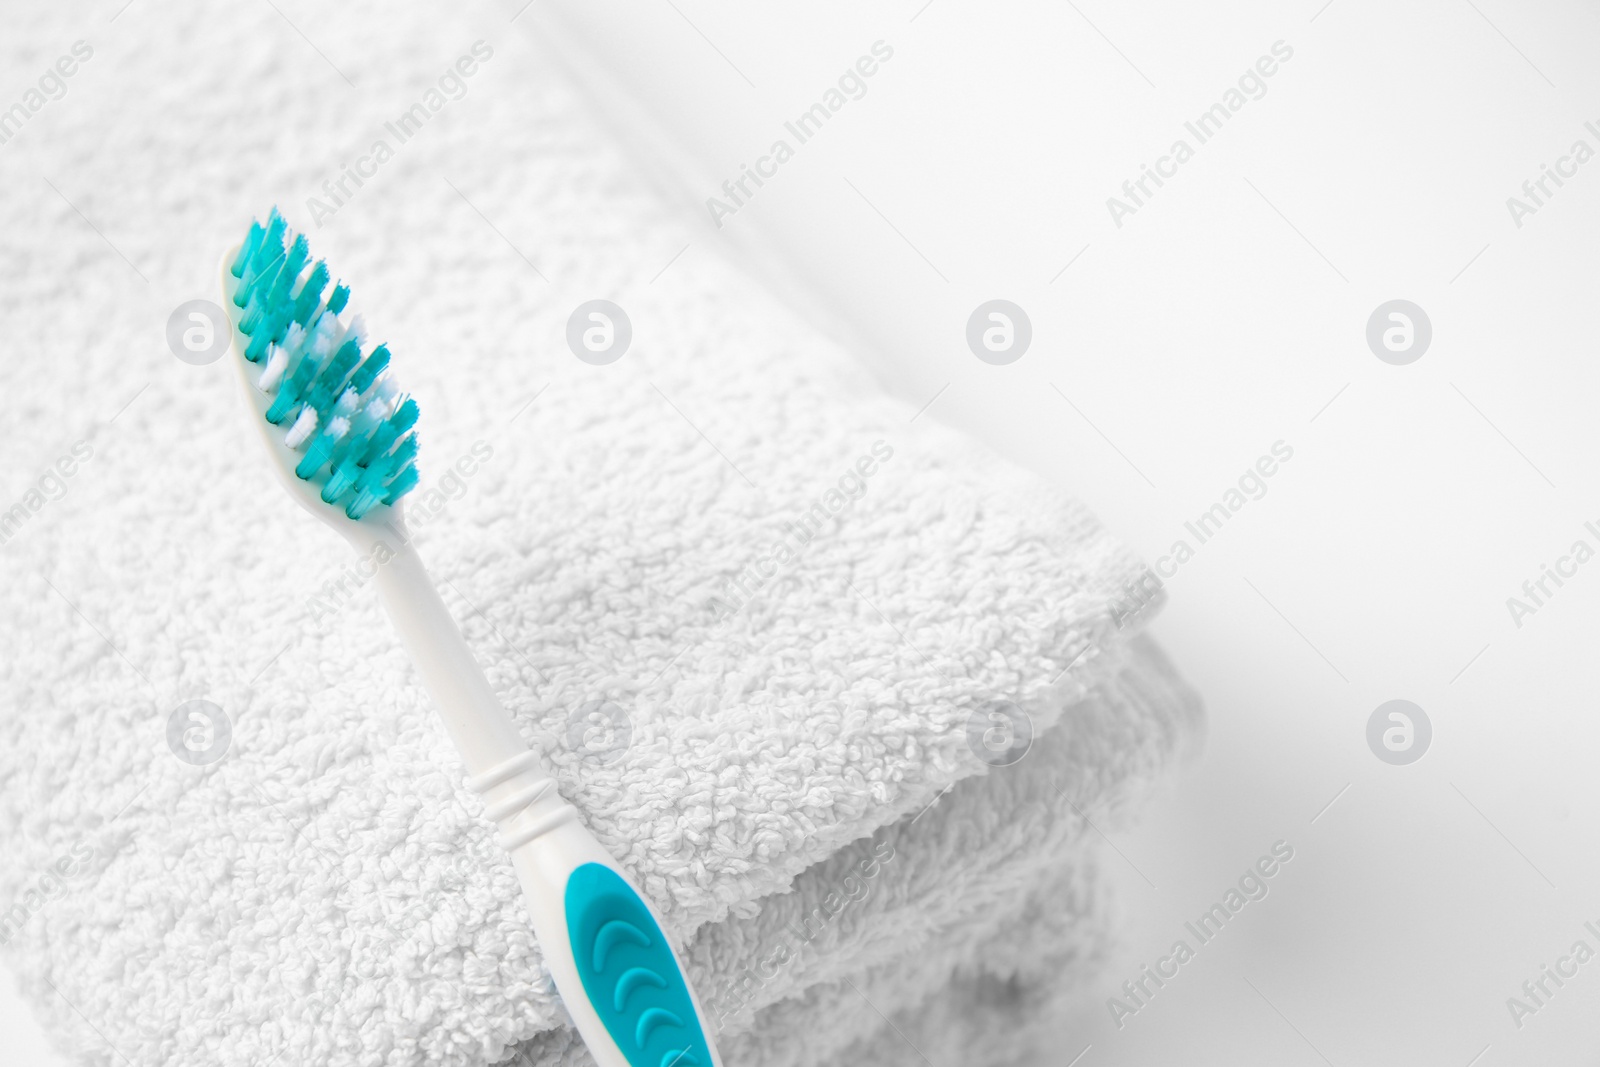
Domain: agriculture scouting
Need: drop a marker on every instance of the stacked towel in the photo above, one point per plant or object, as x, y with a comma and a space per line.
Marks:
761, 621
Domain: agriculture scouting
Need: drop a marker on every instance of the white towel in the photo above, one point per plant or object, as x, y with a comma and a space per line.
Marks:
996, 888
327, 890
859, 934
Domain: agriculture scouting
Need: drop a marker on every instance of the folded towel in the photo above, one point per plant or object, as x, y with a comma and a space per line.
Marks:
994, 893
1028, 952
797, 596
923, 901
982, 850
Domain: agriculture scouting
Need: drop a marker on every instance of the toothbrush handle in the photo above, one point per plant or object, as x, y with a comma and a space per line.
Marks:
612, 964
608, 955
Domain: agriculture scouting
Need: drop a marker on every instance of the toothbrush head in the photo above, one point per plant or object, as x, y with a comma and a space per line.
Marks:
340, 432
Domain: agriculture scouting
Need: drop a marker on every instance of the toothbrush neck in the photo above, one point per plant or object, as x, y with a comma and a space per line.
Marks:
517, 791
483, 733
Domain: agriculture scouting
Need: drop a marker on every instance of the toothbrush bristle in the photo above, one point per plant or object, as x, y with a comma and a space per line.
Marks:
340, 409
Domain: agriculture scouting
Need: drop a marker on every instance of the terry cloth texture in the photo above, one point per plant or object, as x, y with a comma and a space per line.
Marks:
994, 885
797, 597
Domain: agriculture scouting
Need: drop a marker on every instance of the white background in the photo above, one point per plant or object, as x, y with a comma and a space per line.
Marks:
1226, 315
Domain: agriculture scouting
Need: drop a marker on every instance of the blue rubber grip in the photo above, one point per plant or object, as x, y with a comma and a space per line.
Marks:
630, 974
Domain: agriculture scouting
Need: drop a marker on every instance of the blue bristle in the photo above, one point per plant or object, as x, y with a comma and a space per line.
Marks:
375, 483
330, 383
369, 370
317, 454
399, 459
358, 460
352, 443
305, 304
406, 415
377, 473
272, 243
268, 332
341, 478
406, 450
299, 255
277, 293
393, 428
382, 439
401, 484
258, 279
292, 389
340, 297
241, 292
364, 501
252, 241
250, 321
364, 449
355, 469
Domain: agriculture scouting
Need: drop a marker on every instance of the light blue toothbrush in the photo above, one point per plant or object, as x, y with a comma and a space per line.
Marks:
343, 440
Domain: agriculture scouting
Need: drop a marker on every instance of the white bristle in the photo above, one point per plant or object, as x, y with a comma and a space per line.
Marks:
323, 331
302, 429
293, 338
319, 345
381, 395
272, 375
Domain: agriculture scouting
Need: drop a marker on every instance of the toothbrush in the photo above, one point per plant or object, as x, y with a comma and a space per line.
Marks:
342, 438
